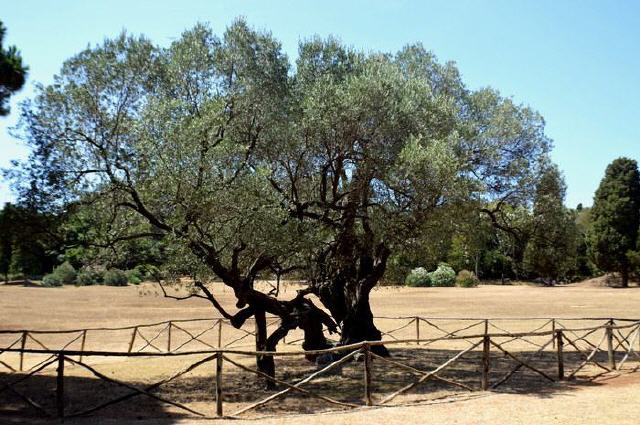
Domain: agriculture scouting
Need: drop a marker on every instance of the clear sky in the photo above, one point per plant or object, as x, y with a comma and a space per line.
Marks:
576, 61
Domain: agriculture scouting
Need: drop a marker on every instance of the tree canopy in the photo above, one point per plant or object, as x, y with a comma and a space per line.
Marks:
12, 72
616, 217
551, 251
243, 163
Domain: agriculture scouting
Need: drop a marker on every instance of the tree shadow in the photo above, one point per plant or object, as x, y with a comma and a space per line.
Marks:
81, 393
242, 388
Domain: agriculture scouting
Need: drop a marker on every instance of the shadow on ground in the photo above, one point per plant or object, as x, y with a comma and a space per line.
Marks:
241, 388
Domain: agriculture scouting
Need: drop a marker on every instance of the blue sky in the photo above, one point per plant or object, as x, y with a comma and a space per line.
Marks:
577, 62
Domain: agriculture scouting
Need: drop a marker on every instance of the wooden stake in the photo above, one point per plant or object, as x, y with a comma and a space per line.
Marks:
610, 352
560, 353
219, 383
84, 339
23, 342
133, 338
485, 362
367, 375
417, 319
553, 329
60, 386
169, 337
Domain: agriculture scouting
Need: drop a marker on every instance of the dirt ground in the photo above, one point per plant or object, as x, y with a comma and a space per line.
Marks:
613, 401
73, 307
526, 401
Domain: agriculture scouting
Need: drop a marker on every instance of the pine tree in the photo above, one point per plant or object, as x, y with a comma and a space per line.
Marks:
12, 72
616, 217
551, 250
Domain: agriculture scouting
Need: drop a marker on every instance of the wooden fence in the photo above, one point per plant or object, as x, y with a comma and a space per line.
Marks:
616, 344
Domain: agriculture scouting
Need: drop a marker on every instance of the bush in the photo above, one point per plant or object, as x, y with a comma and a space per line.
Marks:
444, 275
115, 277
467, 279
135, 276
65, 272
89, 276
418, 277
50, 280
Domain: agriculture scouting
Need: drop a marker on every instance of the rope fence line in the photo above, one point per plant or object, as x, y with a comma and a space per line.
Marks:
617, 339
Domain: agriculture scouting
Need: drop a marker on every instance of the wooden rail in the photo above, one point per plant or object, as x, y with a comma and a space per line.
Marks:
619, 338
175, 328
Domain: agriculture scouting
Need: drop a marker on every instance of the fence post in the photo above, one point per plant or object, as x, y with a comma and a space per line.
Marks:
23, 342
486, 326
84, 339
610, 352
559, 346
219, 383
367, 374
60, 386
553, 331
417, 319
219, 333
169, 337
485, 362
133, 338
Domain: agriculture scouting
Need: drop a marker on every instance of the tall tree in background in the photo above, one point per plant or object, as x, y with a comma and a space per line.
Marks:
28, 244
616, 216
12, 72
552, 247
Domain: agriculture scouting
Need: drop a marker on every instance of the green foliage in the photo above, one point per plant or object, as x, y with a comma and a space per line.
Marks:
615, 217
115, 277
51, 280
66, 273
90, 276
444, 275
634, 261
134, 276
418, 277
467, 279
224, 159
28, 242
148, 271
12, 72
459, 255
551, 249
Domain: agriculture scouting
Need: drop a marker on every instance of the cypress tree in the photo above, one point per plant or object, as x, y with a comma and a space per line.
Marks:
551, 251
616, 217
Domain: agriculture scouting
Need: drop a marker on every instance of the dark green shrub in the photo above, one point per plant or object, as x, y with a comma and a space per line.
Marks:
115, 277
89, 276
66, 273
51, 280
467, 279
134, 276
444, 275
418, 277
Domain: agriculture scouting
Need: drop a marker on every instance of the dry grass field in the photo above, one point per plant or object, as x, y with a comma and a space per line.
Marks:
525, 400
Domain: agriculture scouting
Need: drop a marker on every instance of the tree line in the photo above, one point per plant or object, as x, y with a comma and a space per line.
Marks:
547, 241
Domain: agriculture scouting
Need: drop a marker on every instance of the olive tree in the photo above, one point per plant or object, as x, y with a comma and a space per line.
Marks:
243, 164
383, 144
